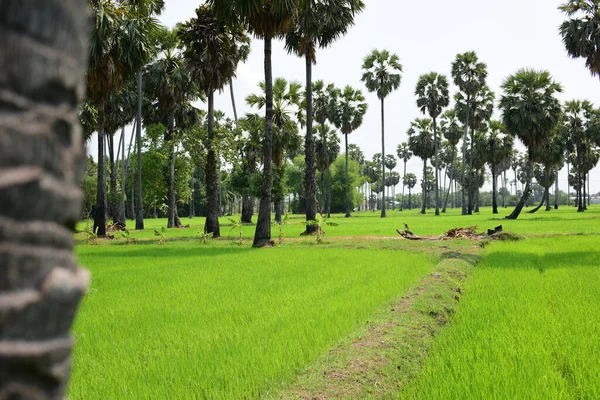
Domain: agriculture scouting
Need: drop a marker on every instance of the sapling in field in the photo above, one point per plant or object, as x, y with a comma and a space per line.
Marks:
92, 238
204, 236
279, 226
125, 234
320, 222
161, 235
237, 224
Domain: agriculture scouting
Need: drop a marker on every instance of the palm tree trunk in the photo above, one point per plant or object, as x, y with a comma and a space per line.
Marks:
383, 156
139, 216
437, 179
122, 216
568, 188
42, 71
533, 211
585, 197
247, 208
464, 156
548, 199
212, 188
556, 192
112, 198
526, 190
191, 213
171, 196
580, 207
424, 186
472, 177
262, 235
232, 99
409, 199
328, 192
347, 182
310, 173
494, 190
100, 212
504, 187
451, 177
403, 185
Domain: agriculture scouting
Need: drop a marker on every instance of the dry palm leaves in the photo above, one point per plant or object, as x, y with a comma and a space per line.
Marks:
456, 233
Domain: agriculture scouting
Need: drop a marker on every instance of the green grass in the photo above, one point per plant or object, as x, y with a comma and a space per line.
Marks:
527, 327
366, 223
189, 321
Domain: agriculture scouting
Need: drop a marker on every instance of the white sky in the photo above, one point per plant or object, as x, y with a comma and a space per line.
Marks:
426, 35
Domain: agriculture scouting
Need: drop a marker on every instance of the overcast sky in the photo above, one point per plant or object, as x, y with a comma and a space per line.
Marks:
426, 35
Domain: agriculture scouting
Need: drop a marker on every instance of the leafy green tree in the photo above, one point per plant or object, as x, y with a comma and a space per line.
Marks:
405, 155
327, 150
317, 25
212, 53
338, 184
409, 180
420, 143
382, 75
356, 154
265, 19
432, 97
530, 111
351, 108
498, 149
469, 75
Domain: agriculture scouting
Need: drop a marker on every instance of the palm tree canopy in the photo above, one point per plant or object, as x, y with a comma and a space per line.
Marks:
212, 48
262, 18
482, 107
432, 94
530, 106
351, 109
390, 161
420, 138
410, 180
319, 23
468, 73
581, 31
325, 100
382, 72
121, 42
498, 145
355, 153
404, 152
327, 145
451, 128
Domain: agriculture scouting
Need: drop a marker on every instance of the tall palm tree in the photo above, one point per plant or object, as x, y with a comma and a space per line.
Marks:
581, 32
405, 155
327, 148
469, 76
432, 97
42, 165
550, 156
498, 149
530, 111
349, 113
266, 19
212, 53
481, 110
420, 142
317, 25
382, 75
148, 9
169, 81
451, 131
119, 40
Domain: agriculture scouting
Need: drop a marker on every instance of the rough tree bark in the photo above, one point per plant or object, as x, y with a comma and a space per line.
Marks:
212, 187
42, 65
139, 216
310, 174
383, 157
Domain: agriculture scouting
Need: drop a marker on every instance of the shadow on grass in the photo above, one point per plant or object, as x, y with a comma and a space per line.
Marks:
472, 259
570, 259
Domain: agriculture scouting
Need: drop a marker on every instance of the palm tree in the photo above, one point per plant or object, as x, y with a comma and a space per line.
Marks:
469, 76
390, 164
287, 116
119, 41
581, 32
381, 74
432, 97
327, 148
147, 9
349, 113
420, 142
481, 110
317, 25
550, 156
452, 132
409, 180
530, 111
42, 162
405, 155
498, 150
266, 19
212, 53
